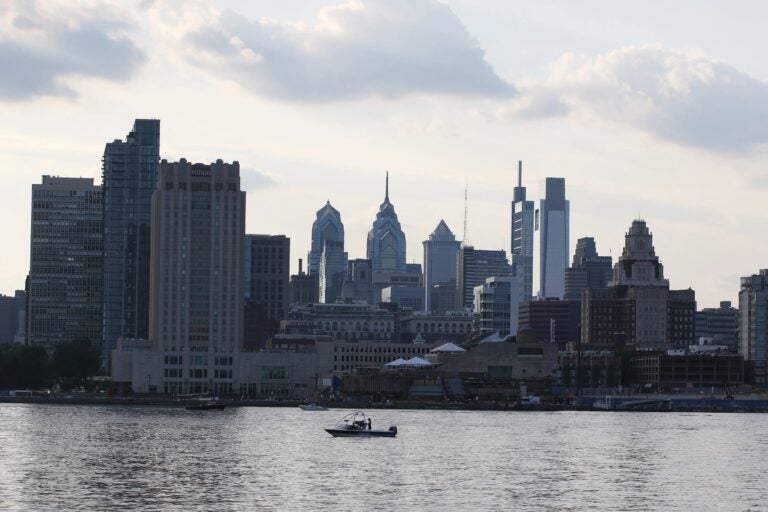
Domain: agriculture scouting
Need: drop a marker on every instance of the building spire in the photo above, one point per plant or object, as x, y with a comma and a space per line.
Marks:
386, 189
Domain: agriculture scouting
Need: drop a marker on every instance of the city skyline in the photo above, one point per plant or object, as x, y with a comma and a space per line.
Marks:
431, 136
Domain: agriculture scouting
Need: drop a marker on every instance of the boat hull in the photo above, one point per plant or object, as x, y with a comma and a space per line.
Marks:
210, 407
340, 432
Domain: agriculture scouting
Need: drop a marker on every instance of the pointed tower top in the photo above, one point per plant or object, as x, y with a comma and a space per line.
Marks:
386, 188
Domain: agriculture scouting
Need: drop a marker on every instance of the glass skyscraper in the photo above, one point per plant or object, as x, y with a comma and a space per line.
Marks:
522, 237
129, 173
552, 222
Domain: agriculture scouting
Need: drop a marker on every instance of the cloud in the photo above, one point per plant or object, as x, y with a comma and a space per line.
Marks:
43, 43
674, 95
252, 179
381, 48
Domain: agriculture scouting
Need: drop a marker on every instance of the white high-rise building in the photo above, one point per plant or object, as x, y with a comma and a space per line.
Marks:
552, 223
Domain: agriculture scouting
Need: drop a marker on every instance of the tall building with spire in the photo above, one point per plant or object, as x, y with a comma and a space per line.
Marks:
327, 226
552, 222
440, 253
522, 237
638, 308
386, 240
129, 175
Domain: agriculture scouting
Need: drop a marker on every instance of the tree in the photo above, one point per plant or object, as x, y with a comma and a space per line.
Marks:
75, 362
23, 367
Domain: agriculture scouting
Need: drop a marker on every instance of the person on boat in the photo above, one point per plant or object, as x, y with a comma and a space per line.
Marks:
369, 423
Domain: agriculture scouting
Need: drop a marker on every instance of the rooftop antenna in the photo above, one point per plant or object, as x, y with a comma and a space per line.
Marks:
520, 173
386, 188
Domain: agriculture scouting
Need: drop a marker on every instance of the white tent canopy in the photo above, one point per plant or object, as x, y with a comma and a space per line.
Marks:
448, 347
397, 362
417, 361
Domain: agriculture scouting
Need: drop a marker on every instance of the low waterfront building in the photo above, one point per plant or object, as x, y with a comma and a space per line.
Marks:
343, 321
666, 372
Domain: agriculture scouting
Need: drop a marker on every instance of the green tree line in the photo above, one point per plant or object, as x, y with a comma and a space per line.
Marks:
71, 364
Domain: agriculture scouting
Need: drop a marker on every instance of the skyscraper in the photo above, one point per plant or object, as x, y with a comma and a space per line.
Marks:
267, 260
266, 274
753, 323
327, 226
588, 270
333, 267
129, 175
386, 240
552, 221
473, 267
522, 237
198, 228
65, 261
440, 253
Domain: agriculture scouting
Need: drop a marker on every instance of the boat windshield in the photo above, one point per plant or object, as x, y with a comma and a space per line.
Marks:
353, 421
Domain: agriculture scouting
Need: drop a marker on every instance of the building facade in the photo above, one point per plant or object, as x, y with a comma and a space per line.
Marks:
358, 284
753, 323
473, 267
496, 305
267, 260
523, 212
386, 240
196, 315
553, 320
129, 175
333, 266
327, 226
719, 326
65, 262
440, 254
552, 222
588, 269
304, 288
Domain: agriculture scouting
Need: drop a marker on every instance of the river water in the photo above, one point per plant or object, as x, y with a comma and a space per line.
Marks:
156, 458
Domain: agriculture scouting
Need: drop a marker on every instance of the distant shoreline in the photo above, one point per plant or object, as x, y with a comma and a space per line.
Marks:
677, 405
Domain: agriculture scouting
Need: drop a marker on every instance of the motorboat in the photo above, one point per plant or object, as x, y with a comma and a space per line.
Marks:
206, 404
312, 407
357, 424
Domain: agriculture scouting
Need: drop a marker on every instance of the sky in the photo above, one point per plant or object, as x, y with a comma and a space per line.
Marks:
656, 110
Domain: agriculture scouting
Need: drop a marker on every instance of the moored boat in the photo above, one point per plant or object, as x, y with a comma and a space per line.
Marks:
312, 407
356, 424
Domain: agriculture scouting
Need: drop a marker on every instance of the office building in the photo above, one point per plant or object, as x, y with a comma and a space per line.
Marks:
638, 308
327, 226
522, 236
553, 320
440, 253
496, 305
718, 326
13, 317
266, 262
474, 266
406, 297
196, 319
358, 284
552, 223
129, 175
588, 270
753, 323
386, 240
304, 288
333, 266
65, 262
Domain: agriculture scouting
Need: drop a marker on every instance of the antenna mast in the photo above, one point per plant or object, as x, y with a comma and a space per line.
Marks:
464, 238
